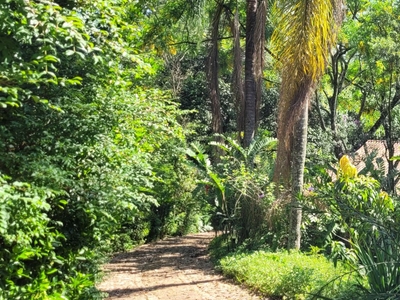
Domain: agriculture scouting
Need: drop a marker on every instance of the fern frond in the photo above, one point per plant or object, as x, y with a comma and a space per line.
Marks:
235, 150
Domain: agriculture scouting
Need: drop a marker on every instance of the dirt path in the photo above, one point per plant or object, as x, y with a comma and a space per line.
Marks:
172, 269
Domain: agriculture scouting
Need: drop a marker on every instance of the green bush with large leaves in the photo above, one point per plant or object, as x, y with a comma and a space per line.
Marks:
237, 185
34, 36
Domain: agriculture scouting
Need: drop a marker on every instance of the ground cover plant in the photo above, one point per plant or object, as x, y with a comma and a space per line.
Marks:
290, 275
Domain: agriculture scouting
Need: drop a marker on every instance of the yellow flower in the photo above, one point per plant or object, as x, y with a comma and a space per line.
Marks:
347, 169
172, 50
344, 161
383, 195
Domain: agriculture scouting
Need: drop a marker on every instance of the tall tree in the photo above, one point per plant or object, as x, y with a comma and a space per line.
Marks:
302, 38
254, 61
362, 86
212, 74
237, 80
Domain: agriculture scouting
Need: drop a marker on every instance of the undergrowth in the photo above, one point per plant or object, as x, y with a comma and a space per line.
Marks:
285, 275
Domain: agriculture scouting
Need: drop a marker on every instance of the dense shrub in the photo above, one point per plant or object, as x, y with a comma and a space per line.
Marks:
92, 164
31, 263
365, 231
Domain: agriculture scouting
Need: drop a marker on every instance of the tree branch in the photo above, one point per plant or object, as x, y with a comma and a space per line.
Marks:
203, 41
384, 113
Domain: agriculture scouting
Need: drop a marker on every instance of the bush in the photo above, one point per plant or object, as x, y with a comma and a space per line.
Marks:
367, 220
93, 162
30, 264
237, 184
378, 254
290, 275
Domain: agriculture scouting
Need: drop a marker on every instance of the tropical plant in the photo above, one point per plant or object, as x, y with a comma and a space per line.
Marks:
368, 220
238, 186
378, 255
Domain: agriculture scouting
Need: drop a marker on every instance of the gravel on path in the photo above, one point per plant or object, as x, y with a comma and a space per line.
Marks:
171, 269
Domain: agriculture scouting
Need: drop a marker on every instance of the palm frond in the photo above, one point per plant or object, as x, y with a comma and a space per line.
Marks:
221, 146
262, 144
197, 152
304, 32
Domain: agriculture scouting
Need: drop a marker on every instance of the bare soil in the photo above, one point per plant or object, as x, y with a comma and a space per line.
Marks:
171, 269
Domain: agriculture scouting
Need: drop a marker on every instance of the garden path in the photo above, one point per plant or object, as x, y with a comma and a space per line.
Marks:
170, 269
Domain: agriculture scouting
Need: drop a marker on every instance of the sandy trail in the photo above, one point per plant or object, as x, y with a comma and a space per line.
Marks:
171, 269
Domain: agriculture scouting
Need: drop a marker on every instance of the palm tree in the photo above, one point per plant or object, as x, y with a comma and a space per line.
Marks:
303, 36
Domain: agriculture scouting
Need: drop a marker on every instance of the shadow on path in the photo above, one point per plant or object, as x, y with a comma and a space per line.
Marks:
123, 292
175, 268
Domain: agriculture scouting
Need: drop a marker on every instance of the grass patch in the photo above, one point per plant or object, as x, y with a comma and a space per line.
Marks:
291, 275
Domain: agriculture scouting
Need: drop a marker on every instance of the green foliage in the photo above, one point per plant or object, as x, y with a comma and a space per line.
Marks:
31, 267
34, 36
238, 186
290, 275
97, 170
218, 248
378, 255
360, 87
357, 203
368, 220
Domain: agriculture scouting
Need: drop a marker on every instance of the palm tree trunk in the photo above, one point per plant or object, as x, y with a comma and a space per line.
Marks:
249, 80
292, 146
261, 19
298, 161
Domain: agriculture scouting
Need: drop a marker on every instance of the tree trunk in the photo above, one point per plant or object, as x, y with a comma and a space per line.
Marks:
391, 188
212, 78
237, 81
292, 144
255, 37
250, 84
383, 115
337, 74
298, 161
261, 19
